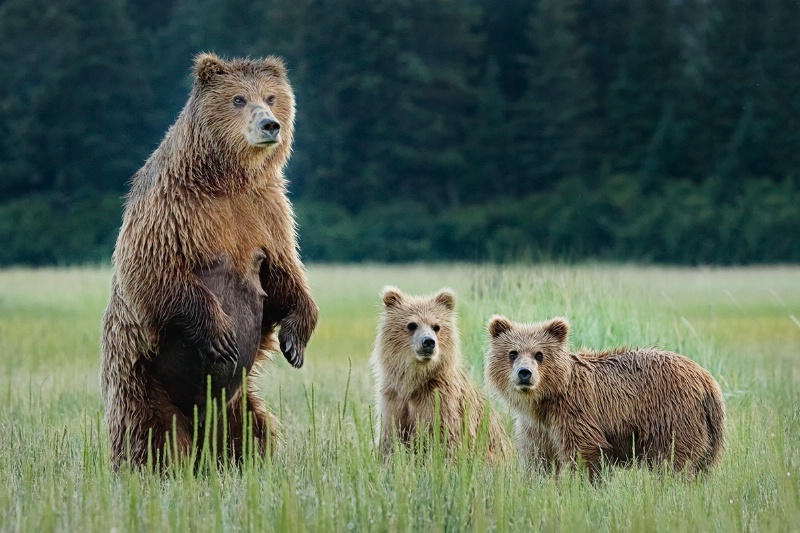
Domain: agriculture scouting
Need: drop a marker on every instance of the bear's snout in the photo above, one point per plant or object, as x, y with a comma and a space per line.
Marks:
269, 126
428, 344
524, 378
424, 344
263, 129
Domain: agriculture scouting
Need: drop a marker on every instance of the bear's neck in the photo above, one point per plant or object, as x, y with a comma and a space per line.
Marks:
445, 371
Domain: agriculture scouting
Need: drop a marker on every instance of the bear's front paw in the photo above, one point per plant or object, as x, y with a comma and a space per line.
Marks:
293, 349
222, 349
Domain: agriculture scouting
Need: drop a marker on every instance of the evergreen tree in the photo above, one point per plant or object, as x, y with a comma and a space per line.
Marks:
171, 51
83, 120
642, 98
505, 26
781, 89
729, 131
555, 123
490, 155
389, 87
434, 112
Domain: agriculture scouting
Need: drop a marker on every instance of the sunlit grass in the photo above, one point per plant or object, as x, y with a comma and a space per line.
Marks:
326, 475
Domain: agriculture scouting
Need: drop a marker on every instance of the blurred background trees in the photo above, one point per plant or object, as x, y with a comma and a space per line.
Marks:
648, 130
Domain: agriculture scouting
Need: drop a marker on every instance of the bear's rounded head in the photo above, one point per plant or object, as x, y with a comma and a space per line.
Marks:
417, 333
246, 106
526, 363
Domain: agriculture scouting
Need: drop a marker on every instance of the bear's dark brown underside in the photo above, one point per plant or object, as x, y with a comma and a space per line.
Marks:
180, 366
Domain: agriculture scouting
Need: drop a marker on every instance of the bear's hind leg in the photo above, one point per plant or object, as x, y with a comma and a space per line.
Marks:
257, 425
147, 429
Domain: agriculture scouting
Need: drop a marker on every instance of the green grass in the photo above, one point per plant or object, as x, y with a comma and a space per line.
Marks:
741, 324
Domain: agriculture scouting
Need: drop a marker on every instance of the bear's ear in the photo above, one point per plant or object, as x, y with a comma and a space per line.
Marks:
498, 325
207, 67
447, 298
391, 296
275, 66
558, 328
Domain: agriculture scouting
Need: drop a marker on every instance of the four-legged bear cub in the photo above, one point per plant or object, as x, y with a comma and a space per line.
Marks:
417, 355
616, 406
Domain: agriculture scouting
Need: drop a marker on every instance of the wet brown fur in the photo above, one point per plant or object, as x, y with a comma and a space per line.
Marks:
406, 389
206, 257
657, 407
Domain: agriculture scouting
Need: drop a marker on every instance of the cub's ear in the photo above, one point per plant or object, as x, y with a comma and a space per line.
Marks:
275, 66
391, 296
558, 328
207, 67
498, 325
447, 298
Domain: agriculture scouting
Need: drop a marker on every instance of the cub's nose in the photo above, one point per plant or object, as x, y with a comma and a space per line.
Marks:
524, 374
270, 126
428, 343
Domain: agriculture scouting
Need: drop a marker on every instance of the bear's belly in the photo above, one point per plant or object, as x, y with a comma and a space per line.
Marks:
179, 366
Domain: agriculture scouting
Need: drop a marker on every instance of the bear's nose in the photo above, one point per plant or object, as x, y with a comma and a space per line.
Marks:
524, 374
428, 343
269, 126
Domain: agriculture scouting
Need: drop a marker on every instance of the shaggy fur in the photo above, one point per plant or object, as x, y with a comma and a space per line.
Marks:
206, 265
417, 354
650, 405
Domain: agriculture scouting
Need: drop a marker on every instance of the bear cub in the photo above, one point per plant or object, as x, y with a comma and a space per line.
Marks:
652, 406
417, 357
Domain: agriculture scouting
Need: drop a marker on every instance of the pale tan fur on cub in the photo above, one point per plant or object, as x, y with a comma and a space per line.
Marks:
417, 355
652, 405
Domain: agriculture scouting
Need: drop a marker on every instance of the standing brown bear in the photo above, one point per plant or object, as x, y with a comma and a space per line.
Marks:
417, 357
206, 267
653, 406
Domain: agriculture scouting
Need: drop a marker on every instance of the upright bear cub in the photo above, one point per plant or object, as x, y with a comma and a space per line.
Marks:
206, 266
655, 406
417, 356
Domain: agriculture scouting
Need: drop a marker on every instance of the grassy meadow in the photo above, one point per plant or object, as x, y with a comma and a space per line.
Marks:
741, 324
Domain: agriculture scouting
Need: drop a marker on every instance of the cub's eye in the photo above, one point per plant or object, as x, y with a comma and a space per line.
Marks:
270, 100
538, 356
239, 101
436, 328
412, 326
513, 354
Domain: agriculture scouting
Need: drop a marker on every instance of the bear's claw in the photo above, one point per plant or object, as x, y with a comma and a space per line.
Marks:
224, 349
292, 353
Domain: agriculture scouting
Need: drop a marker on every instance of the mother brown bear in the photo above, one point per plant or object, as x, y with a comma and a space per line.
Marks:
206, 267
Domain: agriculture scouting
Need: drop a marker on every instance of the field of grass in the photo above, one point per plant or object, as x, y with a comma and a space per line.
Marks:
741, 324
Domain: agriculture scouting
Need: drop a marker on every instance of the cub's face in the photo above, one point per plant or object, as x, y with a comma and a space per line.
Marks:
527, 362
416, 329
247, 104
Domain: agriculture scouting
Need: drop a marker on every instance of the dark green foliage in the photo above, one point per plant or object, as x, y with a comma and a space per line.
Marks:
75, 101
648, 130
680, 222
555, 122
50, 229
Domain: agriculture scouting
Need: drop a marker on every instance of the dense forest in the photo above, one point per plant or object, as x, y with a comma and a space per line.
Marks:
641, 130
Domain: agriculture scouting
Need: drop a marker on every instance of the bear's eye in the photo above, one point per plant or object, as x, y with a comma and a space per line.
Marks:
412, 326
436, 328
538, 356
270, 100
239, 100
512, 355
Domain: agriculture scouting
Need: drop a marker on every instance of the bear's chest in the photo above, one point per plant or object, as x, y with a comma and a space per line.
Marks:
235, 227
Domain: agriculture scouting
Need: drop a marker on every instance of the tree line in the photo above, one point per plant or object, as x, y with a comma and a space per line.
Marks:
649, 130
